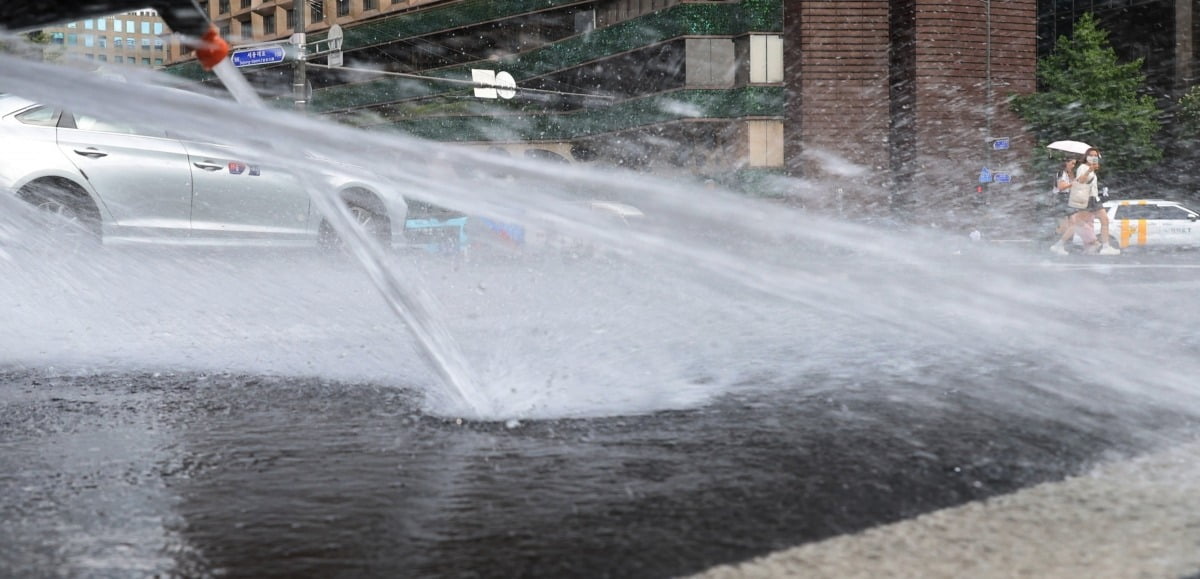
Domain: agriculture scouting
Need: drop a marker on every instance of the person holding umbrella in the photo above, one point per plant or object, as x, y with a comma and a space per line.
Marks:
1083, 205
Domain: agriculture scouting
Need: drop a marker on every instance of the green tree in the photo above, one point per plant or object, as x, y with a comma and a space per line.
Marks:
1087, 95
1188, 115
26, 43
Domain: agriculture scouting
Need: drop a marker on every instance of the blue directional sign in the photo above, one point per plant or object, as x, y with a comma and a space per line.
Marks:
1001, 177
985, 176
251, 57
1000, 145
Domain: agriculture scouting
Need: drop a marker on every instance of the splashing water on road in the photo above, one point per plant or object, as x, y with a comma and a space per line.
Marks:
709, 294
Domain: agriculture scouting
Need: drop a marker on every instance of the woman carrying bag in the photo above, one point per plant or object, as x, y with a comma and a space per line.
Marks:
1078, 202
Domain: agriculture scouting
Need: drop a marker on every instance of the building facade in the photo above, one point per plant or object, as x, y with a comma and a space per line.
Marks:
138, 38
882, 98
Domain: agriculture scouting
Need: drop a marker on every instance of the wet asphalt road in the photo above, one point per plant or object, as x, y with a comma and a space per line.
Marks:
207, 474
236, 476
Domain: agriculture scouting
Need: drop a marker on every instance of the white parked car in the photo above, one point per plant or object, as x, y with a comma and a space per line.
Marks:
124, 183
1151, 223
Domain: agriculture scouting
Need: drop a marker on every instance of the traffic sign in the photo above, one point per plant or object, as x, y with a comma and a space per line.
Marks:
335, 37
255, 56
985, 176
1000, 144
1001, 177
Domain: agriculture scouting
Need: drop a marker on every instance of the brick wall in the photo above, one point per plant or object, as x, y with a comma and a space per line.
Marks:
950, 120
899, 89
838, 102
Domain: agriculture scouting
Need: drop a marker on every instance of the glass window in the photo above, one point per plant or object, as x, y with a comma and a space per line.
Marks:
89, 56
131, 42
1137, 211
72, 39
223, 7
269, 24
119, 59
158, 62
245, 3
158, 44
102, 24
102, 41
129, 26
102, 57
145, 44
158, 27
145, 27
40, 116
146, 61
89, 24
369, 4
1168, 212
118, 41
343, 7
57, 38
117, 26
89, 40
291, 19
90, 123
72, 25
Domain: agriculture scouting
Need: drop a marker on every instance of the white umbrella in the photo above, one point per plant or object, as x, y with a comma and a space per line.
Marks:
1077, 147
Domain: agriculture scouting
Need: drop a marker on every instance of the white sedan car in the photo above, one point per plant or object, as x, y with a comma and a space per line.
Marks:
123, 183
1151, 223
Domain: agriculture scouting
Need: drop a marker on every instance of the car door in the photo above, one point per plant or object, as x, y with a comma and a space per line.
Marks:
140, 175
1128, 223
236, 198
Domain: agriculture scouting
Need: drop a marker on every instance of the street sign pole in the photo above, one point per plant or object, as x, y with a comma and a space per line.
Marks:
298, 72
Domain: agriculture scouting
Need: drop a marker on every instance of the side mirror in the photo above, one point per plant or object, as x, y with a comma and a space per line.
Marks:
1193, 217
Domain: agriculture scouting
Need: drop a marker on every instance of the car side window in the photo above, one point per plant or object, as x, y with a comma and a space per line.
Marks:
40, 116
90, 123
1168, 212
1135, 212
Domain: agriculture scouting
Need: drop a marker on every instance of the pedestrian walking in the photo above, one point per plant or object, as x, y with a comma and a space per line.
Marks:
1084, 199
1095, 208
1078, 220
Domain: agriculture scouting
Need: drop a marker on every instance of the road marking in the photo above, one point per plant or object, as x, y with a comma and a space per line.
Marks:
1137, 518
1112, 265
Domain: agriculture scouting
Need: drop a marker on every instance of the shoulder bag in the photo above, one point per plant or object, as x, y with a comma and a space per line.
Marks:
1080, 193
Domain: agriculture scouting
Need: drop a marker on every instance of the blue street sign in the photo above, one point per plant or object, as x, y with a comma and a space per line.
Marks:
985, 176
1001, 177
267, 55
1000, 144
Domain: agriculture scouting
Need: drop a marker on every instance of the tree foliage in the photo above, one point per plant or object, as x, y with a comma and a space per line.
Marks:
1188, 116
1087, 95
30, 42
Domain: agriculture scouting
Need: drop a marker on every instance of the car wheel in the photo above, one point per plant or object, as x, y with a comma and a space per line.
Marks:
368, 213
75, 219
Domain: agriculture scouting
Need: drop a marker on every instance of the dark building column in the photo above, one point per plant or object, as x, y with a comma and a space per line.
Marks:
1185, 45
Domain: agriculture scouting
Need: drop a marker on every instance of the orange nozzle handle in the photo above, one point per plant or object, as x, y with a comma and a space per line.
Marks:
212, 50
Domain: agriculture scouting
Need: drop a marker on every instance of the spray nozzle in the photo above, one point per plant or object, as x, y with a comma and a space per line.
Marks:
212, 49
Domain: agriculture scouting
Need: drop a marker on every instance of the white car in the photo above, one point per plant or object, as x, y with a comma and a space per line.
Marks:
123, 183
1151, 223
